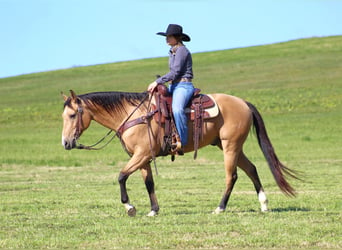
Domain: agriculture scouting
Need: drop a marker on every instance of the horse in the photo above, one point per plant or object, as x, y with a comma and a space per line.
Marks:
228, 131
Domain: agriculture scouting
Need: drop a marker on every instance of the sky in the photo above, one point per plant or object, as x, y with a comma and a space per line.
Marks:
44, 35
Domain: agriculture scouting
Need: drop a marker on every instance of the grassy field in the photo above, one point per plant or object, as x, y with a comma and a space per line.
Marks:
52, 198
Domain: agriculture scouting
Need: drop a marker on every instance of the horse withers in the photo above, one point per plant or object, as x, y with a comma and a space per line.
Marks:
228, 130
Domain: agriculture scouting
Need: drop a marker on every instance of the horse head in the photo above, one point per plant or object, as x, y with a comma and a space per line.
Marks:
76, 119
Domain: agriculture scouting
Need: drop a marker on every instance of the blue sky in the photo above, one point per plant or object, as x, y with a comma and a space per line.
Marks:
43, 35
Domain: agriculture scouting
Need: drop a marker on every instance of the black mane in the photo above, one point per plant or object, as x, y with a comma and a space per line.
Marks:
113, 100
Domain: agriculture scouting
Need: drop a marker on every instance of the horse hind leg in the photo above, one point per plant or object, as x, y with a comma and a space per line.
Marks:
246, 165
230, 161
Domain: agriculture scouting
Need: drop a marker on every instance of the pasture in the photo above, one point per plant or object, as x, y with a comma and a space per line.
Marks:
52, 198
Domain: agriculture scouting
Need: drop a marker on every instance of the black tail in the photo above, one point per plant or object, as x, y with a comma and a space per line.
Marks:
277, 168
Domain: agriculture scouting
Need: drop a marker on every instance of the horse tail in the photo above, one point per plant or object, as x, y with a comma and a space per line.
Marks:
278, 169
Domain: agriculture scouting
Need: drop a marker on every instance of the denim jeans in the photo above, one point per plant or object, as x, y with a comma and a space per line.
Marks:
181, 95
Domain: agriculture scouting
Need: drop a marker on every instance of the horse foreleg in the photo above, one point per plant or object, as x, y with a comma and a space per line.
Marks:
147, 175
246, 165
137, 161
230, 159
131, 211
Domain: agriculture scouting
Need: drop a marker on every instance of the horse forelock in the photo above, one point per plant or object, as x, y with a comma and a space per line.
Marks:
67, 103
113, 101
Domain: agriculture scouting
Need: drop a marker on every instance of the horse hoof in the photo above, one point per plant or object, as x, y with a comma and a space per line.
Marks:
152, 213
218, 210
131, 211
264, 209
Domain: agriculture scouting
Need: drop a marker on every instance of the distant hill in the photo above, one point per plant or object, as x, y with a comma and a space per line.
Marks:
301, 76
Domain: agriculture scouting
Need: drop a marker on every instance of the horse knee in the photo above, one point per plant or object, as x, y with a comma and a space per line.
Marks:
122, 178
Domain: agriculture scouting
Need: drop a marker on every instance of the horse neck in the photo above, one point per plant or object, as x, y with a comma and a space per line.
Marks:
114, 119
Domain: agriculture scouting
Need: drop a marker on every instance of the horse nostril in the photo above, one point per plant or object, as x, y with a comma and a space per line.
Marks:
70, 144
67, 145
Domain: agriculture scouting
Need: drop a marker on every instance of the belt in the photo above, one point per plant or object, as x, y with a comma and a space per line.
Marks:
184, 79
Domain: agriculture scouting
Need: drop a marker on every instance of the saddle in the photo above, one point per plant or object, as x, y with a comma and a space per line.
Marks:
199, 108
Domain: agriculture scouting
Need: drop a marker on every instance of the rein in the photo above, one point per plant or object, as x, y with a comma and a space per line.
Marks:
92, 147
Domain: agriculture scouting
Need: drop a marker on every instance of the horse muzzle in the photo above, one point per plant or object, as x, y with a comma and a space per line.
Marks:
69, 144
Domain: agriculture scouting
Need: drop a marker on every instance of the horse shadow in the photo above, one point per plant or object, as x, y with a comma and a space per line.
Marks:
275, 210
290, 209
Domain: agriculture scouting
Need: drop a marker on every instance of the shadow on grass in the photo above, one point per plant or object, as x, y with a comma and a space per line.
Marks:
290, 209
275, 210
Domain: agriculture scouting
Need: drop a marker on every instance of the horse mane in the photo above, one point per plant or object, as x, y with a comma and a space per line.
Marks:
113, 101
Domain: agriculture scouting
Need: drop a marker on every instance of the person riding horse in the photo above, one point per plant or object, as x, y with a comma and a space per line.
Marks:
180, 76
228, 130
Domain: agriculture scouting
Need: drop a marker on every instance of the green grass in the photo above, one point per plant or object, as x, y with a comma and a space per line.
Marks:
52, 198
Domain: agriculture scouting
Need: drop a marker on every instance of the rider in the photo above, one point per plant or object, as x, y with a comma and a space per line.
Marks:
180, 78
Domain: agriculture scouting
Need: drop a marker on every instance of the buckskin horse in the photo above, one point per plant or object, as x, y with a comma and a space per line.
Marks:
228, 130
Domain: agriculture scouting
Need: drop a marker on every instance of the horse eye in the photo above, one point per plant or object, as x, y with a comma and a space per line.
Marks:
72, 116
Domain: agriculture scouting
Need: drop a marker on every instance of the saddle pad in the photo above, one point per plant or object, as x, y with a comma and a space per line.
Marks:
209, 112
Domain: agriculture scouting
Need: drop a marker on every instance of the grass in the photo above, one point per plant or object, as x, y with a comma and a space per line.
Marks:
77, 207
52, 198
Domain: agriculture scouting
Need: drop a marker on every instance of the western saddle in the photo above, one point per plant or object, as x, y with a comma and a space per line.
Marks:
163, 115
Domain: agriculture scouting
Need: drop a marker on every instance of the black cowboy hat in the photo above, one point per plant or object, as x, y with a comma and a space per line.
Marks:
175, 29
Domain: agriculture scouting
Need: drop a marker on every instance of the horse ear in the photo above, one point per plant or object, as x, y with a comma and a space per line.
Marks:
73, 95
65, 98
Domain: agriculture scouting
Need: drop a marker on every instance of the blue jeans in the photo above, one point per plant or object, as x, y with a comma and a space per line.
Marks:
181, 95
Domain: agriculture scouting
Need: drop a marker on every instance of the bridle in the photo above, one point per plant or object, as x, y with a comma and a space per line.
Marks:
79, 122
79, 128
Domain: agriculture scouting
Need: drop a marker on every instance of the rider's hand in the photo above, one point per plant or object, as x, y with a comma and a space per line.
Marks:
152, 86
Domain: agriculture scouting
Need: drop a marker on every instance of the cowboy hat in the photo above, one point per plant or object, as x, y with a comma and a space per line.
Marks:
175, 29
